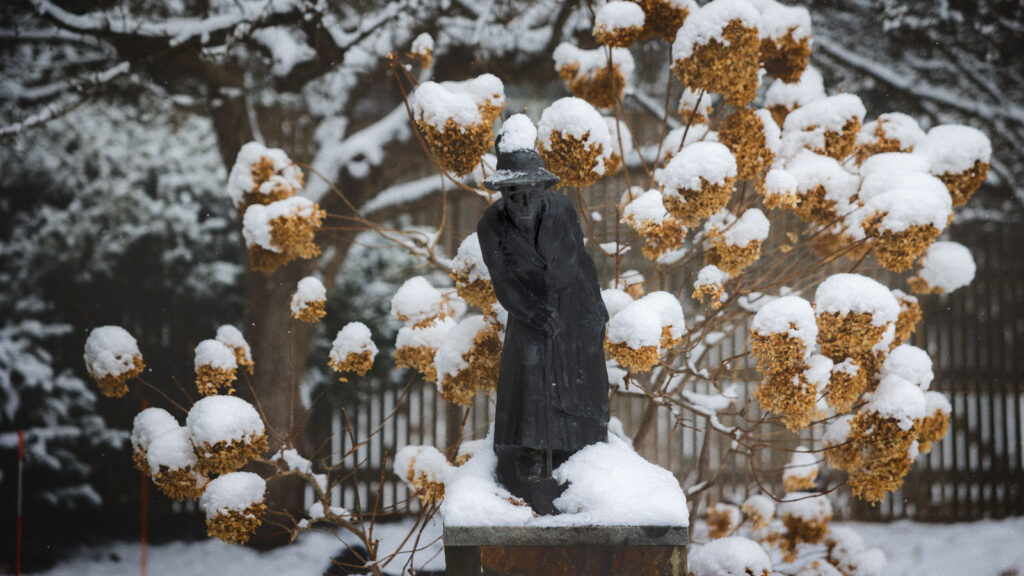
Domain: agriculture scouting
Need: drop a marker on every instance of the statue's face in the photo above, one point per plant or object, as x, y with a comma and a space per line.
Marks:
524, 201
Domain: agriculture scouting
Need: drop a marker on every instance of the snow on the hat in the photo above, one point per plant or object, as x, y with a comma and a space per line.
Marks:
809, 88
729, 556
232, 492
517, 133
422, 44
637, 325
222, 419
708, 23
416, 300
896, 126
791, 315
780, 182
954, 148
910, 363
806, 506
618, 15
619, 132
172, 449
353, 338
906, 207
779, 20
669, 312
819, 371
449, 358
577, 118
708, 160
647, 208
947, 265
936, 402
899, 399
838, 431
802, 464
469, 259
763, 505
609, 484
148, 424
240, 179
232, 338
688, 102
215, 355
110, 351
615, 300
710, 275
854, 293
751, 226
435, 103
310, 289
772, 133
256, 224
812, 170
806, 126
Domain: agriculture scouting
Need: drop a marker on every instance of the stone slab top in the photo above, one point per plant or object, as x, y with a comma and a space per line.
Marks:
566, 536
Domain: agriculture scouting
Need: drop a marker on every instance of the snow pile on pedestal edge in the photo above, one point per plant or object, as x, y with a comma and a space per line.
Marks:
608, 485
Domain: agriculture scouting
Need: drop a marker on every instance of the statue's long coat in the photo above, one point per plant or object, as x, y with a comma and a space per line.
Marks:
531, 277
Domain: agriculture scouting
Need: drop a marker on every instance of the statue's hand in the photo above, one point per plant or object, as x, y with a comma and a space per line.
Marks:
552, 324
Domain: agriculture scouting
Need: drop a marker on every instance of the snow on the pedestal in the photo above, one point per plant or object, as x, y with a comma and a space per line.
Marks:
310, 289
708, 160
708, 23
729, 556
898, 399
710, 275
240, 180
232, 338
906, 207
618, 15
688, 101
646, 209
149, 424
449, 358
802, 464
809, 88
232, 492
812, 170
590, 61
222, 419
353, 338
256, 227
615, 300
854, 293
910, 363
171, 448
751, 226
110, 351
896, 126
435, 103
517, 133
806, 506
838, 431
954, 148
577, 118
947, 265
936, 402
416, 300
791, 315
779, 20
215, 355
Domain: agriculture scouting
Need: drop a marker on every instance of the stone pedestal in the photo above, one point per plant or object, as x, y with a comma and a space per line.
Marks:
565, 551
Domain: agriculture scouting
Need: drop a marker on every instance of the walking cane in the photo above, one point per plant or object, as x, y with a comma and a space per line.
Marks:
548, 368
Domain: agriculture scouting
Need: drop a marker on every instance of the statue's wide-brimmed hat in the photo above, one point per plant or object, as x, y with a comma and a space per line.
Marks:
517, 168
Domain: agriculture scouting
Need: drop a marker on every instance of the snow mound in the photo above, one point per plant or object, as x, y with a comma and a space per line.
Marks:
910, 363
232, 338
149, 424
215, 355
898, 399
906, 207
110, 351
617, 15
709, 22
171, 448
416, 300
811, 87
853, 293
947, 266
646, 209
353, 338
954, 148
936, 402
806, 506
256, 224
232, 492
791, 315
575, 117
222, 419
435, 103
708, 160
615, 300
309, 290
241, 180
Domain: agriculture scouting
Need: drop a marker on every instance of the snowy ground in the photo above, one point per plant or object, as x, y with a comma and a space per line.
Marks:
987, 548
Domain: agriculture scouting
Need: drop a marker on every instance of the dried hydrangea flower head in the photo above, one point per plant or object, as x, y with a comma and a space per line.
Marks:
280, 232
262, 175
890, 132
622, 144
734, 243
847, 381
457, 118
722, 519
416, 346
647, 215
718, 49
806, 517
935, 424
903, 223
634, 335
802, 471
234, 505
754, 138
417, 303
782, 98
112, 358
697, 181
232, 338
309, 302
825, 190
226, 433
422, 50
694, 107
855, 315
945, 267
575, 143
588, 75
910, 315
793, 397
759, 510
709, 287
781, 190
663, 18
148, 424
467, 362
731, 555
425, 470
353, 350
631, 282
785, 39
959, 155
618, 24
670, 313
782, 335
173, 464
216, 368
857, 560
472, 279
827, 126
